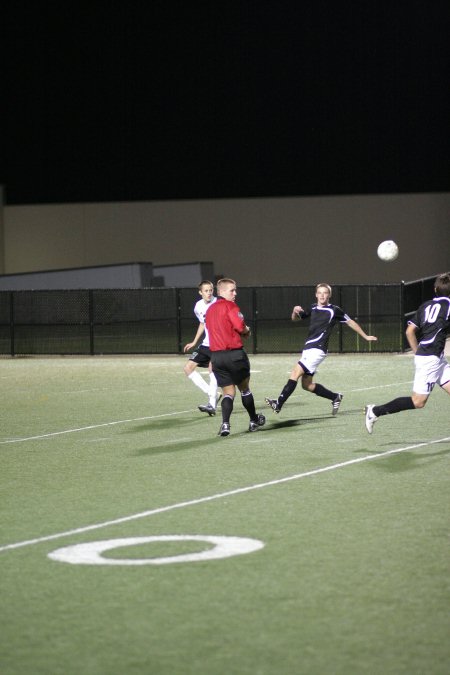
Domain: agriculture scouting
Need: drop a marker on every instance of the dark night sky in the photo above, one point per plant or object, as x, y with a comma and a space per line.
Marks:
169, 100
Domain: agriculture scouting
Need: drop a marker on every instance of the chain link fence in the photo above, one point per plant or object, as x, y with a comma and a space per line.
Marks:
161, 320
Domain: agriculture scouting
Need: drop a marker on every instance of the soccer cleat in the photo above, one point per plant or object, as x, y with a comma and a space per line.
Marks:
336, 403
273, 403
370, 418
259, 422
207, 409
224, 429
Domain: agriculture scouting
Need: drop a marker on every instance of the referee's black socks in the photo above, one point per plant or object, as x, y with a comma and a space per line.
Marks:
227, 408
249, 403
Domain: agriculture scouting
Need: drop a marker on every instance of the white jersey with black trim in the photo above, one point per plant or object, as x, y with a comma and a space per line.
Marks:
322, 323
200, 309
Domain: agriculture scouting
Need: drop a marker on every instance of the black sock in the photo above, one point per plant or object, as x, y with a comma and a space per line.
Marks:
325, 393
249, 403
394, 406
227, 408
288, 389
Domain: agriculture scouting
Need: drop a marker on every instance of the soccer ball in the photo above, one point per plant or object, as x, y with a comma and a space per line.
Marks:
387, 250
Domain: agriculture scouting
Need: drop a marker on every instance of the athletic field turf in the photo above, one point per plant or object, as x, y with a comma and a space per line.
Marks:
308, 547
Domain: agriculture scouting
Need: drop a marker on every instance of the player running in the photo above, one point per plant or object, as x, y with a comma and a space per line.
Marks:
201, 357
431, 323
324, 317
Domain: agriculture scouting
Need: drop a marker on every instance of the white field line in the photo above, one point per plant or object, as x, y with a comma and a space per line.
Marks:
219, 495
393, 384
141, 419
92, 426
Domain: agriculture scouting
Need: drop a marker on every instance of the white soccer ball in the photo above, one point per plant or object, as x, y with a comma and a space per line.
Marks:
387, 250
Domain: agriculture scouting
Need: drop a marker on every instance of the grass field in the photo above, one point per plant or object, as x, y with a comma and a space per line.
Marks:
350, 572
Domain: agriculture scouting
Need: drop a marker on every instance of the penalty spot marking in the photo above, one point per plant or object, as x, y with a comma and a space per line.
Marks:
90, 553
222, 495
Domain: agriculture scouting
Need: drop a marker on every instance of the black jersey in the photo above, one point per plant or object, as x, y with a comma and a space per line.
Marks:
322, 323
433, 321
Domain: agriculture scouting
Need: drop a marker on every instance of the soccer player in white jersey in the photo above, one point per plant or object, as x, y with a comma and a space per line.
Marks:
426, 333
202, 356
324, 316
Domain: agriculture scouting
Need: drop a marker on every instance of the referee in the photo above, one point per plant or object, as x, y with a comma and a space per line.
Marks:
230, 364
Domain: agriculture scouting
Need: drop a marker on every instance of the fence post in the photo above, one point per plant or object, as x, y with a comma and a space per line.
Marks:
91, 322
255, 320
11, 323
403, 341
178, 315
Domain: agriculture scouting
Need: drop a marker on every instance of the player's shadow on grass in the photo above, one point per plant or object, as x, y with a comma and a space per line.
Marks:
285, 424
324, 415
193, 444
181, 446
349, 411
211, 428
165, 424
273, 424
408, 461
238, 432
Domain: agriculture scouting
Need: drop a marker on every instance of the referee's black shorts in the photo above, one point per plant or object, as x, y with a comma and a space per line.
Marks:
230, 366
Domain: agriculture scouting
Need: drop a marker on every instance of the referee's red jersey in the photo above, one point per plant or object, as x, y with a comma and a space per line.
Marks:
225, 323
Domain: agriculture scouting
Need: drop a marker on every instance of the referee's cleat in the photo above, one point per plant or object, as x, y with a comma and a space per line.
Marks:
207, 409
370, 418
273, 403
224, 429
258, 422
336, 403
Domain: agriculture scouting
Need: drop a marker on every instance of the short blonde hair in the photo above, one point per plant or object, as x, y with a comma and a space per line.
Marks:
224, 282
323, 285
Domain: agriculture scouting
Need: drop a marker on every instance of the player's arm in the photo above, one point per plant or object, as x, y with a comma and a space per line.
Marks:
199, 333
297, 313
357, 328
238, 323
411, 336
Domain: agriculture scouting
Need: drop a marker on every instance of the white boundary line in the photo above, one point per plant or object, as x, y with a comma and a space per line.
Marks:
384, 386
93, 426
142, 419
219, 495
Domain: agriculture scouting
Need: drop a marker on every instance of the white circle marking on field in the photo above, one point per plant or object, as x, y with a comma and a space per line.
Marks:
89, 553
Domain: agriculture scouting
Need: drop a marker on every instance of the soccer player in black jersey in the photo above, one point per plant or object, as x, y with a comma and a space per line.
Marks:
324, 316
426, 334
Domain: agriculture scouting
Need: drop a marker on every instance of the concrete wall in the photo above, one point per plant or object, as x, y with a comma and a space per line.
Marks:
128, 275
297, 240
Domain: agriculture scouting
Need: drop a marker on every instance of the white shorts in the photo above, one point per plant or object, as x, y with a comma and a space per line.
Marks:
311, 359
429, 370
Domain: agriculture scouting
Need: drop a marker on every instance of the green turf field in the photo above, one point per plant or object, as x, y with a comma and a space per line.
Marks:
351, 568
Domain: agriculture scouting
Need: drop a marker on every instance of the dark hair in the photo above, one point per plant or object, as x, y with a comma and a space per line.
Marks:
442, 284
205, 282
